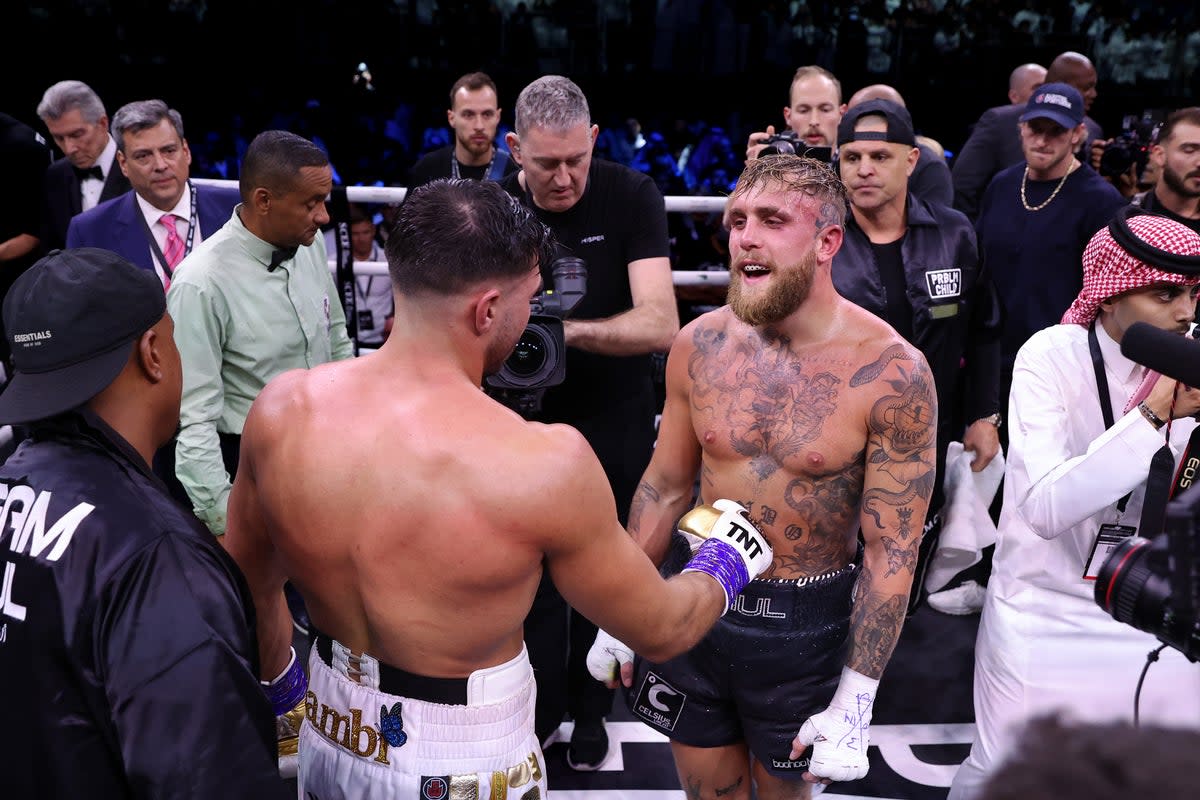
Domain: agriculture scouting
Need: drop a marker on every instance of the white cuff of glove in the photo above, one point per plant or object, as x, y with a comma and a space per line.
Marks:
605, 657
840, 735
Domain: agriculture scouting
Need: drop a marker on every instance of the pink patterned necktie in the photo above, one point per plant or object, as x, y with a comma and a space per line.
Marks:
173, 252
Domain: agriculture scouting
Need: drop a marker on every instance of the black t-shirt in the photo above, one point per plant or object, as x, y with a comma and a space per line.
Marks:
1152, 204
436, 165
895, 286
620, 218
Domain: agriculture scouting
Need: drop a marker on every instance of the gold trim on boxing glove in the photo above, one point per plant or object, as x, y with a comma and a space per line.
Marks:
699, 521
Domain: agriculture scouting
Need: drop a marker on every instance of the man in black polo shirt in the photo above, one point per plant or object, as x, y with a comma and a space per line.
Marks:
473, 116
614, 219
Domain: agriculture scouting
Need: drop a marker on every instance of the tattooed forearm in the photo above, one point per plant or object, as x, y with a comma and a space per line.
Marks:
875, 626
645, 495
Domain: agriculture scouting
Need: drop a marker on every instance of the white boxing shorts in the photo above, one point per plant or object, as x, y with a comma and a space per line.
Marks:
373, 731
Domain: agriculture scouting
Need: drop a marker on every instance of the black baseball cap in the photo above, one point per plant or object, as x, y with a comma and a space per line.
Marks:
70, 320
899, 123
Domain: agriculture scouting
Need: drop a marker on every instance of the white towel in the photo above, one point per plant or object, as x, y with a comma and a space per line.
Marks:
966, 526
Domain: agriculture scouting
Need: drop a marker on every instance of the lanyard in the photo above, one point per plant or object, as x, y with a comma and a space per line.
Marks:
1162, 465
187, 246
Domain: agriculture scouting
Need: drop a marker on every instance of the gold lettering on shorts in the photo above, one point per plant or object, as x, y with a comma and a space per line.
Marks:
464, 787
346, 731
310, 706
357, 729
499, 786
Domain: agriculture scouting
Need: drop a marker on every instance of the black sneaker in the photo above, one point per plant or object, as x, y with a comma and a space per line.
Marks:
589, 746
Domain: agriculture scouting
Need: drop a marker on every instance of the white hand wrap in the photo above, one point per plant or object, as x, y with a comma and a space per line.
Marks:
840, 734
605, 657
725, 546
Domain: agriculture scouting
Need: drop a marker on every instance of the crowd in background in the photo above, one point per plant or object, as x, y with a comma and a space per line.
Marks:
677, 84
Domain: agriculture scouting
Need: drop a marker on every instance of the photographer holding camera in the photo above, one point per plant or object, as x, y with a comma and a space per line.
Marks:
1176, 155
613, 219
815, 109
1086, 425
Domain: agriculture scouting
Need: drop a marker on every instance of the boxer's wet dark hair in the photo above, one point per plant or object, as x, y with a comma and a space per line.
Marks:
454, 233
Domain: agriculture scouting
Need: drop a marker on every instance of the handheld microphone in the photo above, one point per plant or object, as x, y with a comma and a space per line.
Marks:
1171, 354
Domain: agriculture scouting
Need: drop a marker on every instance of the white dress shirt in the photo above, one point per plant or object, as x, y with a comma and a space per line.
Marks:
90, 188
1043, 642
183, 216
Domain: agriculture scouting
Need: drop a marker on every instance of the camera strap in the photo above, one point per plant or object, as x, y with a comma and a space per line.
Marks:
1162, 465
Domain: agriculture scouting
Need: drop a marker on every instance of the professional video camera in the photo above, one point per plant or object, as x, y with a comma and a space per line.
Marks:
789, 143
1153, 583
538, 360
1132, 146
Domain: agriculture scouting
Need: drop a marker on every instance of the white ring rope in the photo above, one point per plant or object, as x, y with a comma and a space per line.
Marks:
684, 204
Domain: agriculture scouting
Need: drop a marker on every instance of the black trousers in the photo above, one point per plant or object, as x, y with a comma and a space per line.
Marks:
558, 637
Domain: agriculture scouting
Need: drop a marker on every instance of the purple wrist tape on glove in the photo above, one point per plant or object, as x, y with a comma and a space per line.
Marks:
286, 691
721, 561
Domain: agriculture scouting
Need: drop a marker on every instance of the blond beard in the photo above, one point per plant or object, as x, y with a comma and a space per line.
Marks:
789, 289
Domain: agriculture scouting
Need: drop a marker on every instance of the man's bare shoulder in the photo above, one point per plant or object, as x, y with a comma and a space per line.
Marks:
881, 352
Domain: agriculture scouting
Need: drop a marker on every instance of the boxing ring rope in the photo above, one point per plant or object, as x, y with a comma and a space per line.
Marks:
680, 204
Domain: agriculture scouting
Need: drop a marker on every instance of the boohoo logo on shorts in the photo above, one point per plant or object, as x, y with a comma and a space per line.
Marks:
658, 702
944, 282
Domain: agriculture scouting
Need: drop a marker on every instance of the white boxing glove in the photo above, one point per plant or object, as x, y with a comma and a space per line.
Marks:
606, 656
725, 546
840, 735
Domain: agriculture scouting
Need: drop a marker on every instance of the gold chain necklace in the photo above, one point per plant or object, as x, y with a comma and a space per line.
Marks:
1053, 194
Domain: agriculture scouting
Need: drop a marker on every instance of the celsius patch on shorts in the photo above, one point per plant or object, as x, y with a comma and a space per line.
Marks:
658, 702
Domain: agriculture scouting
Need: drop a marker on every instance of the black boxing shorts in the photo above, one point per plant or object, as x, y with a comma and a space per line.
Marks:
770, 663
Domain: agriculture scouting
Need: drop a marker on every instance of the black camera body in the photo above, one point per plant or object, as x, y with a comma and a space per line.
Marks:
1154, 584
789, 143
538, 360
1132, 147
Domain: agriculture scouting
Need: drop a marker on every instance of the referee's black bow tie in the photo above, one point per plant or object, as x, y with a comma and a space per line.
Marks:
279, 256
93, 171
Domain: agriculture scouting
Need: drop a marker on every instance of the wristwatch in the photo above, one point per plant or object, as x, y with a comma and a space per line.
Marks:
995, 419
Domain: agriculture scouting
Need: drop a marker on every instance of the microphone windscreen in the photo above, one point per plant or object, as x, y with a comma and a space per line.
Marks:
1167, 352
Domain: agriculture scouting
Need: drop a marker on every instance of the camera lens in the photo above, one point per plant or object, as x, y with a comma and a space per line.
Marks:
529, 355
1133, 586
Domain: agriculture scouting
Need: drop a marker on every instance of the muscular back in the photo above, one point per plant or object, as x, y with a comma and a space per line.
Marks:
398, 507
785, 428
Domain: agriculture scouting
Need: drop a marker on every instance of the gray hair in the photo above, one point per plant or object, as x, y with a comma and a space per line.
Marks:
140, 115
66, 96
551, 102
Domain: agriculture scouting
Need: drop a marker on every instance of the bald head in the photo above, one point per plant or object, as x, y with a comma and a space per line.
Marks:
1077, 70
1023, 80
876, 91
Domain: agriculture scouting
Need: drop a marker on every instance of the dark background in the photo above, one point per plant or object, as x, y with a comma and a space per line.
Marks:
681, 68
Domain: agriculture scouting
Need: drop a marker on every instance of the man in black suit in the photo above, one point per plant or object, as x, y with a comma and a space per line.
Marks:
78, 123
995, 141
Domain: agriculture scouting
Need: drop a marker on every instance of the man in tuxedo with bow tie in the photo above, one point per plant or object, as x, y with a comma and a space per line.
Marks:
164, 216
75, 117
251, 301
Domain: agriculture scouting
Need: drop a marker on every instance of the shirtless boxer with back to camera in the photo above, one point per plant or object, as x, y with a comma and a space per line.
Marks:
415, 515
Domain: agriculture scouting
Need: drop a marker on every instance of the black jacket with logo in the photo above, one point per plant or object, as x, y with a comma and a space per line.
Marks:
128, 657
956, 317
